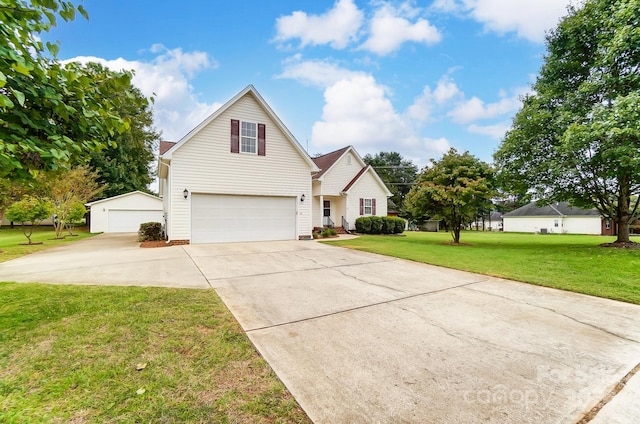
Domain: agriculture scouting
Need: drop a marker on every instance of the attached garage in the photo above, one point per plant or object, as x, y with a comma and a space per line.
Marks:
124, 213
217, 218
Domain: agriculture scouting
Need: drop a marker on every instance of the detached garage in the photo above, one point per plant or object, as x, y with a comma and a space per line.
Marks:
124, 213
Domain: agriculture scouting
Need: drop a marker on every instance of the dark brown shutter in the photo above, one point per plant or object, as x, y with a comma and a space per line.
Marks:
361, 206
235, 136
261, 140
373, 206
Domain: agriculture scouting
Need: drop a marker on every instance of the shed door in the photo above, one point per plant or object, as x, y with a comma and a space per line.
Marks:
217, 218
128, 221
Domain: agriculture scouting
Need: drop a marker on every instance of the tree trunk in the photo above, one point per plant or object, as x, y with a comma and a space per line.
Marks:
456, 234
623, 218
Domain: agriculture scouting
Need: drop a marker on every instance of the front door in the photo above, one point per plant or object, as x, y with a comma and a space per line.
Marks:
326, 213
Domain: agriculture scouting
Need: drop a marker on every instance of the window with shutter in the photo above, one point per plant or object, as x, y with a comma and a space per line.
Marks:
235, 136
262, 139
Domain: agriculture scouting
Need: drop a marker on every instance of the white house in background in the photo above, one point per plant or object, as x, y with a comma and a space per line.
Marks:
238, 176
346, 188
124, 213
557, 218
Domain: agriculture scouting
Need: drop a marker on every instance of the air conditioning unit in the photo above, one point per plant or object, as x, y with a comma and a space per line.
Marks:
543, 231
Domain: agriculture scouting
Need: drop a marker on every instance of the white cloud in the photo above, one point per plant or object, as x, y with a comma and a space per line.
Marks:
390, 27
319, 73
177, 109
423, 106
528, 19
475, 109
496, 131
357, 112
337, 27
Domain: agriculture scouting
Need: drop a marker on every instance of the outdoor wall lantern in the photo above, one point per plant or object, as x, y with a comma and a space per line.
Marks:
185, 193
302, 198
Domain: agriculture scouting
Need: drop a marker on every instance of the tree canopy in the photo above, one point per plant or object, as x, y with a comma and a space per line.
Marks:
397, 173
52, 115
577, 136
454, 188
125, 166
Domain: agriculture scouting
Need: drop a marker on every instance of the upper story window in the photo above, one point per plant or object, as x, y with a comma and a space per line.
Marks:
248, 137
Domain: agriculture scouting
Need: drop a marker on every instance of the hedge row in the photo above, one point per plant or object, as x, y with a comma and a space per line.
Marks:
380, 225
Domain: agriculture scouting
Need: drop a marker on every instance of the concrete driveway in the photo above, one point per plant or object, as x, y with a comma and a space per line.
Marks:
363, 338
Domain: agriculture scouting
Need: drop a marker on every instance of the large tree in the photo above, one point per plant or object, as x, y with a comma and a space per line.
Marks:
397, 173
52, 115
454, 188
125, 166
577, 136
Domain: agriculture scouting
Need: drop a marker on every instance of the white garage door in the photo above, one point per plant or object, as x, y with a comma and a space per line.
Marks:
128, 221
225, 218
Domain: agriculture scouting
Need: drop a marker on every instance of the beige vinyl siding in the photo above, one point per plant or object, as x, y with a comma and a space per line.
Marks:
334, 181
366, 187
204, 164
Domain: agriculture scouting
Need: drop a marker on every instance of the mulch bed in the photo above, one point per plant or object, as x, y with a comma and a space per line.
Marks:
158, 243
627, 245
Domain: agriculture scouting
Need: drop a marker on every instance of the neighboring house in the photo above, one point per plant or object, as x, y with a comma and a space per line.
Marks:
124, 213
238, 176
491, 222
557, 218
346, 188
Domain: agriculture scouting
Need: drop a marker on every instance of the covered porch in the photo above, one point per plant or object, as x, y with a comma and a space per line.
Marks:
330, 212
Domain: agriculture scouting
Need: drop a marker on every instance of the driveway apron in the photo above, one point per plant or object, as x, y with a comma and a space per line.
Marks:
364, 338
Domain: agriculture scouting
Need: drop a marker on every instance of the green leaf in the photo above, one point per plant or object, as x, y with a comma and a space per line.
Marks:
19, 96
20, 68
53, 48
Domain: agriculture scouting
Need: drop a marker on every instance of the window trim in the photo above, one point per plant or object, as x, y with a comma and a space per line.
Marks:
253, 138
364, 207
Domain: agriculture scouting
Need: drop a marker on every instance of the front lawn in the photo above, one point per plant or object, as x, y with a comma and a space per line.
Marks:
569, 262
131, 354
11, 239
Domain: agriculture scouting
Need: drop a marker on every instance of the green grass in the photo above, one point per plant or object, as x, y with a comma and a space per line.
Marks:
69, 354
12, 240
568, 262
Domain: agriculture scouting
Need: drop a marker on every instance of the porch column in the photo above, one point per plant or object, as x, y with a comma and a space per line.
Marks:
321, 224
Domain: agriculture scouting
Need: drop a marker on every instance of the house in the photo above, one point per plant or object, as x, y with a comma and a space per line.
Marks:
346, 188
124, 213
557, 218
238, 176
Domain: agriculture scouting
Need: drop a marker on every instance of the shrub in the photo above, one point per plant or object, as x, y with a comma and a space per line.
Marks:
380, 225
388, 225
150, 231
363, 225
376, 224
329, 232
400, 225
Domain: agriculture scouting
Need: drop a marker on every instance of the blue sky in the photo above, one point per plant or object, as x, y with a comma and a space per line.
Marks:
415, 77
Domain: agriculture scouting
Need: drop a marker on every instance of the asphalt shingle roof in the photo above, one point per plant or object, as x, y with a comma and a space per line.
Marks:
554, 209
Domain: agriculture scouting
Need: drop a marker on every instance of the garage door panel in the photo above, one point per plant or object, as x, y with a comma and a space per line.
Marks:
228, 218
128, 221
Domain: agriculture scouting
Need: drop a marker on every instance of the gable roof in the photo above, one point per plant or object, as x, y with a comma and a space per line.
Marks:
359, 175
165, 146
326, 162
555, 209
250, 89
122, 195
